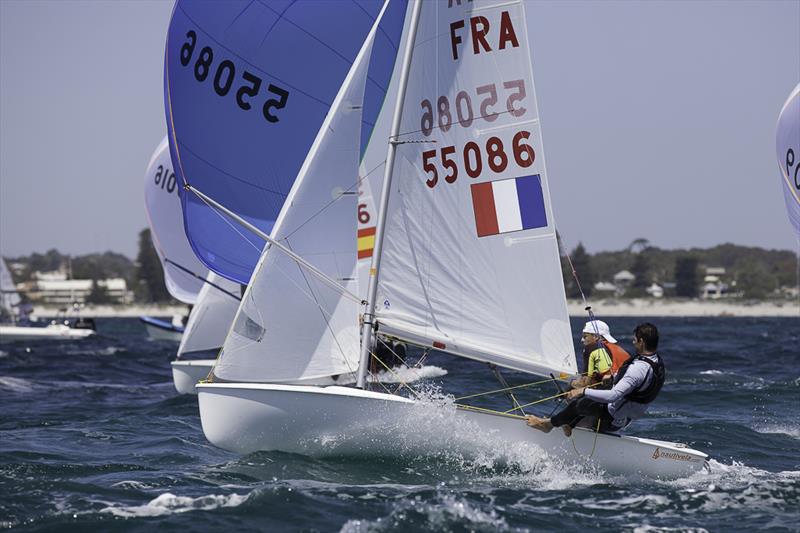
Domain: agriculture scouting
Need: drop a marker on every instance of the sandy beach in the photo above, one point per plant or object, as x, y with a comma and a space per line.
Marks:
636, 307
668, 307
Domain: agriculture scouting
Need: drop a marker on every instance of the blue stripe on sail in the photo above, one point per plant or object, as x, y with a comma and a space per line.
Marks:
531, 202
220, 141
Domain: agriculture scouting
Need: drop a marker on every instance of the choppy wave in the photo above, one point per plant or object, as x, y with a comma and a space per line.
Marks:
16, 384
168, 503
446, 513
792, 430
96, 441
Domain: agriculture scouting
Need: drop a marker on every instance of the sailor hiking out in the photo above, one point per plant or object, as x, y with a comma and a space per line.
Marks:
636, 385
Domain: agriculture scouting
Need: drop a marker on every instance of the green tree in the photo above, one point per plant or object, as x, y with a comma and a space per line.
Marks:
755, 281
641, 269
98, 294
150, 286
582, 263
687, 280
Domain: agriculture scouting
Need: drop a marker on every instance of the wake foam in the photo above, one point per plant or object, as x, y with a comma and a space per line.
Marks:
168, 503
434, 438
446, 514
410, 375
779, 429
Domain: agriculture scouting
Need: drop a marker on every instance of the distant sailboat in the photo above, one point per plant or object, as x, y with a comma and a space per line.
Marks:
12, 330
471, 264
183, 273
208, 324
214, 299
788, 152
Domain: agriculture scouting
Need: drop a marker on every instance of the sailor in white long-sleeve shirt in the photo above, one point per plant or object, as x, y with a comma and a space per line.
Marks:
636, 384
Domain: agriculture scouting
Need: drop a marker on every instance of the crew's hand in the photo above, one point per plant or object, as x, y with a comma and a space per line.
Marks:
579, 382
575, 393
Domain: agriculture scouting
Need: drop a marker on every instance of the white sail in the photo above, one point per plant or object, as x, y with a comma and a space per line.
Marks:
788, 152
9, 298
291, 325
470, 262
371, 171
183, 272
211, 316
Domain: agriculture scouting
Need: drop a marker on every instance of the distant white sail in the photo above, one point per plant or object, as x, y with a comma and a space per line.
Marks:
9, 298
470, 260
211, 316
788, 152
291, 325
165, 217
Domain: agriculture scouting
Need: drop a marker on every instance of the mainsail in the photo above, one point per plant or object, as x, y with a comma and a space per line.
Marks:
788, 152
247, 86
470, 259
291, 325
183, 273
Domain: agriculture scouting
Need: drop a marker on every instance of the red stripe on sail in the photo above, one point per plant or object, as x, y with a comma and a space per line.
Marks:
366, 232
483, 206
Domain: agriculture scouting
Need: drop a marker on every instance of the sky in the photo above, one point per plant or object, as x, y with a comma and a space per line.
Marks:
658, 120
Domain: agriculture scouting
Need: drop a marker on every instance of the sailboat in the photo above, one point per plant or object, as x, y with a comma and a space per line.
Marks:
208, 324
787, 141
14, 330
256, 181
183, 272
472, 269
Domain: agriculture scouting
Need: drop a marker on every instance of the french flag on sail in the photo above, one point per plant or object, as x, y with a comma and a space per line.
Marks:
508, 205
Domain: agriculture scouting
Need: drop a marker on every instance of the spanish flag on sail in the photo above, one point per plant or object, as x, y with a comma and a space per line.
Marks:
366, 242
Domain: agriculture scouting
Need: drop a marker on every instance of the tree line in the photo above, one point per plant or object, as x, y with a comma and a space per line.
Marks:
753, 272
144, 275
757, 272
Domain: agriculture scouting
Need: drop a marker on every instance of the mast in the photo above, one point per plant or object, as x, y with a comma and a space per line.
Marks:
367, 334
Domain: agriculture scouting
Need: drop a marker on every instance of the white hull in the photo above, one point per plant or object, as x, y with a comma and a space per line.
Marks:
51, 332
159, 334
336, 420
186, 374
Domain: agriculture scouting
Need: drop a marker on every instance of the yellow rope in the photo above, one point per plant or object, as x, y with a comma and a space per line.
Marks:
490, 411
594, 444
504, 390
545, 399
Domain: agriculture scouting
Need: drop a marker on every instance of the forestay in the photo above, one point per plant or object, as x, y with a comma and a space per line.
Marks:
291, 325
211, 316
183, 273
470, 262
788, 152
247, 86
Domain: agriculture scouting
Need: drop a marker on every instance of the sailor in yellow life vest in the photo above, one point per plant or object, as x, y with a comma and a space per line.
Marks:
602, 356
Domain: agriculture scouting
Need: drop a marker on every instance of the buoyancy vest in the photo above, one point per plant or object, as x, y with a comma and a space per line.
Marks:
618, 355
645, 394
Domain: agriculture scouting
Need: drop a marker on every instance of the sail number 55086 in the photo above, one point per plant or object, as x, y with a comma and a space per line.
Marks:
472, 158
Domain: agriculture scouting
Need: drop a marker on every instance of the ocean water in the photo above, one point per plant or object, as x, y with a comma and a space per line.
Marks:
94, 437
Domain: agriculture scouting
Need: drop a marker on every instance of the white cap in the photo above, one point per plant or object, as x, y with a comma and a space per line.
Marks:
598, 327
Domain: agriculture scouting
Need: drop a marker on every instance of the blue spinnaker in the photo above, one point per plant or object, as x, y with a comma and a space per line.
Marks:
247, 85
